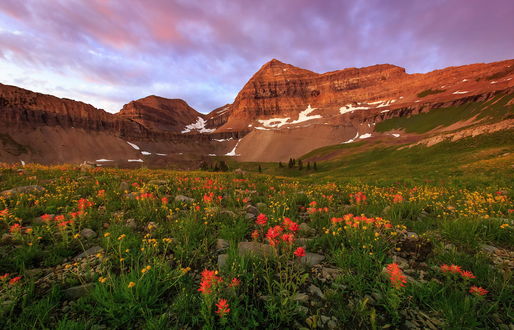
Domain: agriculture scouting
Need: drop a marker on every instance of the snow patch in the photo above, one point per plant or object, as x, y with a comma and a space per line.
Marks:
351, 140
460, 92
494, 82
233, 152
262, 128
273, 122
365, 106
158, 154
103, 160
350, 107
146, 153
365, 136
384, 111
212, 155
223, 140
133, 145
464, 80
199, 126
304, 115
395, 135
135, 160
22, 163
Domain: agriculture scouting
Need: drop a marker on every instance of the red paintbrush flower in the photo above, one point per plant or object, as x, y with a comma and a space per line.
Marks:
299, 252
478, 291
223, 309
396, 275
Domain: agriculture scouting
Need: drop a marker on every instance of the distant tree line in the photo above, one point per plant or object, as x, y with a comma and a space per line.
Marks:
218, 166
293, 163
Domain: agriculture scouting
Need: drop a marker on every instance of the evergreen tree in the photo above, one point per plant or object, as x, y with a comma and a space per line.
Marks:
308, 165
223, 166
315, 166
291, 165
260, 168
294, 162
300, 164
280, 165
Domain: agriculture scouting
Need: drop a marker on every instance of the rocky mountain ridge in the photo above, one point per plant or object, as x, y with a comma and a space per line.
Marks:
281, 112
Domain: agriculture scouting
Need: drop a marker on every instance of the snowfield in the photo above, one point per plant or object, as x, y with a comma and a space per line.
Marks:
233, 152
146, 153
103, 160
133, 145
199, 126
365, 106
460, 92
135, 160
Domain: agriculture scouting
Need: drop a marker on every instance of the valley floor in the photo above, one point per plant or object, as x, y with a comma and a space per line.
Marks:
155, 249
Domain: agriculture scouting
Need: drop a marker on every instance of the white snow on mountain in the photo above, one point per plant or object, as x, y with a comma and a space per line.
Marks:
133, 145
199, 126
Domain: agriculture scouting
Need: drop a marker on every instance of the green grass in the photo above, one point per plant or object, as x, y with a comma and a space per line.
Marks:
492, 110
427, 92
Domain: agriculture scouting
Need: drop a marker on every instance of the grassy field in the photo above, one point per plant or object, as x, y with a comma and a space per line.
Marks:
154, 249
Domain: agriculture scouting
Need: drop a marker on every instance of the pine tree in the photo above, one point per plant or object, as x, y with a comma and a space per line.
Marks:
223, 166
315, 166
280, 165
291, 165
308, 165
294, 162
260, 168
300, 164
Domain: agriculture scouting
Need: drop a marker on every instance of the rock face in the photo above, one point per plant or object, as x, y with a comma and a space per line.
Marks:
282, 111
154, 112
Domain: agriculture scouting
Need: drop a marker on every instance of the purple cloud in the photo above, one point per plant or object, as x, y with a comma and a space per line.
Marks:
110, 52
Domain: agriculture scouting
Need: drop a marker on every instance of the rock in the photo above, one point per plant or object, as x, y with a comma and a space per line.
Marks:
221, 244
306, 229
301, 297
314, 290
386, 210
6, 239
22, 190
222, 260
228, 213
403, 263
488, 248
78, 291
330, 273
412, 235
35, 272
239, 171
324, 319
158, 182
85, 167
250, 216
87, 233
131, 223
260, 206
185, 199
124, 186
252, 209
91, 251
254, 248
310, 259
332, 324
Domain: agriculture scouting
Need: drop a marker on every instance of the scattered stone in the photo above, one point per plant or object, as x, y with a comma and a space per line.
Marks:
301, 297
310, 259
78, 291
411, 234
306, 229
330, 273
91, 251
6, 239
239, 171
222, 260
250, 216
35, 272
252, 209
87, 233
185, 199
488, 248
22, 190
124, 186
131, 223
158, 182
314, 290
86, 166
254, 248
221, 244
228, 213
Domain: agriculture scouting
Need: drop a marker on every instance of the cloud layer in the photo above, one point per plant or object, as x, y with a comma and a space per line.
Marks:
108, 52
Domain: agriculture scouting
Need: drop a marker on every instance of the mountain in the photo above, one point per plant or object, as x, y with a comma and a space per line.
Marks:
282, 111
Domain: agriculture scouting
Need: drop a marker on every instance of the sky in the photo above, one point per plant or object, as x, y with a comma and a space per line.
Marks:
109, 52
